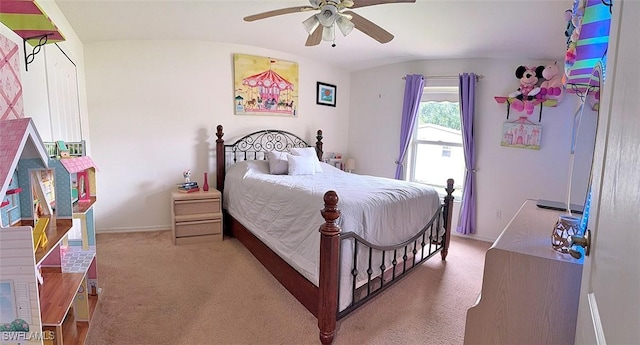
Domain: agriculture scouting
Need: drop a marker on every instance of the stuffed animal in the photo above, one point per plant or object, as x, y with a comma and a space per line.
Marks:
187, 176
552, 87
528, 77
528, 90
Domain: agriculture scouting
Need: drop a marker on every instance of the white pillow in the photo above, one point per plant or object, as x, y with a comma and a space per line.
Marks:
307, 152
301, 165
278, 164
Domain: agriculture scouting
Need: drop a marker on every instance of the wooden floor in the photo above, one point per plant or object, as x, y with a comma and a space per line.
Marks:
73, 332
57, 294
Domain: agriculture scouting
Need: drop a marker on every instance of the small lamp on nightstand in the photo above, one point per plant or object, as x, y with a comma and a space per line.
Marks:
350, 165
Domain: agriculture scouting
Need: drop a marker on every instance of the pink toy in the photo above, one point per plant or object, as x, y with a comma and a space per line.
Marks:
552, 87
528, 77
526, 95
526, 105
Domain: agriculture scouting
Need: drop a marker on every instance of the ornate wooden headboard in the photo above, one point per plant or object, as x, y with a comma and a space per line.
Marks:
254, 146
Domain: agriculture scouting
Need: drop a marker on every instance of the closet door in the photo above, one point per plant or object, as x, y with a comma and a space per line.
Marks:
62, 86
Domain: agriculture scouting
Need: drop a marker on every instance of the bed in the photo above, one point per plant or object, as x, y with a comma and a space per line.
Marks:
332, 259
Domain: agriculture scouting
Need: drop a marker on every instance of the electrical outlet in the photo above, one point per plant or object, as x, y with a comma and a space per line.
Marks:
498, 214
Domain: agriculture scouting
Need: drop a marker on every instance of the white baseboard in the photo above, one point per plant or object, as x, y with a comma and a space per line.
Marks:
134, 229
473, 237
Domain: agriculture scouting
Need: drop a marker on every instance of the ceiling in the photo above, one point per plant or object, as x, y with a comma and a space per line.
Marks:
426, 29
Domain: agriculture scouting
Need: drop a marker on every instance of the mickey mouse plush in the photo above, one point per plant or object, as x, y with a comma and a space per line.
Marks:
528, 77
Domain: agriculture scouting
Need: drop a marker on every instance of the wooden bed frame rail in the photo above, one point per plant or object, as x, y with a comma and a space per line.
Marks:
321, 301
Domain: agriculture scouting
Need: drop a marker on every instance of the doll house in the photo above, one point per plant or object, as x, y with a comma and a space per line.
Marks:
48, 276
77, 174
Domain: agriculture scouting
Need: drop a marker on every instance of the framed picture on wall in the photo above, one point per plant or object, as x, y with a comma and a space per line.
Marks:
265, 86
521, 134
326, 94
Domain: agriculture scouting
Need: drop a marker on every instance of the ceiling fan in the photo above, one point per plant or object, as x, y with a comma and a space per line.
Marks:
331, 13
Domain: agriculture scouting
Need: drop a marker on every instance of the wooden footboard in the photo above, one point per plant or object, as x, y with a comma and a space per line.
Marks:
322, 301
448, 214
329, 268
330, 245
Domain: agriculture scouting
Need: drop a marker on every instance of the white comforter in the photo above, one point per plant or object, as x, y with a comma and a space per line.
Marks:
284, 211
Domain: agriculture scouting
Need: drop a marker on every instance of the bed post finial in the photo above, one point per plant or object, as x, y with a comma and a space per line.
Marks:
449, 188
319, 151
330, 213
448, 213
220, 159
219, 133
328, 279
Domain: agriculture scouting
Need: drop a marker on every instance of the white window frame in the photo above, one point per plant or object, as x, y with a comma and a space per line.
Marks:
446, 149
437, 94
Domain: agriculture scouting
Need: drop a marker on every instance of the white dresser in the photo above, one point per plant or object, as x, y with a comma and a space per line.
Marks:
529, 291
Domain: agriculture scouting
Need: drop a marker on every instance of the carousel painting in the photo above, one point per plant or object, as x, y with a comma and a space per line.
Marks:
265, 86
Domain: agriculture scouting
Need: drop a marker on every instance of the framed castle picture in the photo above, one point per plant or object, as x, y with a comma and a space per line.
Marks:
521, 134
265, 86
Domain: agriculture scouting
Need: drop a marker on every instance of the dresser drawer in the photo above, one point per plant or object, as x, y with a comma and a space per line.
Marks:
198, 228
196, 206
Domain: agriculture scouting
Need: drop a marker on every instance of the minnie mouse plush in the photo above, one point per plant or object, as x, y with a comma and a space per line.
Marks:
528, 77
528, 89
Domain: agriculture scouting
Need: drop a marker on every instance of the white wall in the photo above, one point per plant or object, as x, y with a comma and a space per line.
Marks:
154, 107
505, 176
34, 81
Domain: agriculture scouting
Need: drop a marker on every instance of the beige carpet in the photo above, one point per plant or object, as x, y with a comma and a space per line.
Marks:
217, 293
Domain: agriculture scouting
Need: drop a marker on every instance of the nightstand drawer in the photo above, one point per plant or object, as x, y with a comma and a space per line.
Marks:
196, 206
196, 217
199, 227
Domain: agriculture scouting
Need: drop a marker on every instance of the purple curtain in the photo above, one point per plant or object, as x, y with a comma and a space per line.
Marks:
413, 88
467, 221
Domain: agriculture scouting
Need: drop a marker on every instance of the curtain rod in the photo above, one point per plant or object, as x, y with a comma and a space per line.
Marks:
478, 77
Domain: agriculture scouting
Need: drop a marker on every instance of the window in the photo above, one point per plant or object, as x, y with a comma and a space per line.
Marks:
436, 152
7, 302
446, 151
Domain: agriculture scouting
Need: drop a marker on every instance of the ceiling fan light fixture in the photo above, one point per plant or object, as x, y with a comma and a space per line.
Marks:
344, 24
327, 15
328, 33
332, 13
310, 24
347, 3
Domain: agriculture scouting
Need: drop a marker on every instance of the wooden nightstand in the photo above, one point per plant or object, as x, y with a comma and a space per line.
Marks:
196, 217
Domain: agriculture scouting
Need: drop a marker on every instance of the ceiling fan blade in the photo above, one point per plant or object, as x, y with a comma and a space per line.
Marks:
315, 38
278, 12
364, 3
369, 28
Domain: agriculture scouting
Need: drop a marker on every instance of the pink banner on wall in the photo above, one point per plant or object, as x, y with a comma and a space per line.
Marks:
10, 86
